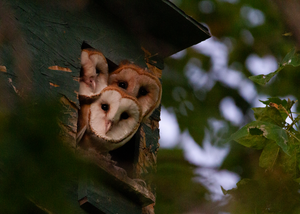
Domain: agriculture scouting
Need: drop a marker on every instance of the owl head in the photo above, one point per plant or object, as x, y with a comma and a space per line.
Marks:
113, 119
94, 72
139, 83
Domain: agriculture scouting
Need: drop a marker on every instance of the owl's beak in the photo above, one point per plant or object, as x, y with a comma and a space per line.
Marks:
108, 125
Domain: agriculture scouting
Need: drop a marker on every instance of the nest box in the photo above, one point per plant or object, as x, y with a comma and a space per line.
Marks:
143, 32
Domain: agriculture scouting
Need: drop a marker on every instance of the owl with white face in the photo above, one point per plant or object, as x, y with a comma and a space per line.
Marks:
94, 72
139, 83
113, 118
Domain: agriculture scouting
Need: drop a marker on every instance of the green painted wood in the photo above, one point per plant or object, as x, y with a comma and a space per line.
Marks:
140, 31
97, 195
55, 37
160, 26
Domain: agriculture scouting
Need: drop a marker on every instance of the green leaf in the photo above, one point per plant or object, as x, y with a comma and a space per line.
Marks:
243, 182
250, 137
224, 191
269, 155
239, 185
287, 104
292, 58
269, 114
297, 119
264, 79
253, 141
276, 100
268, 130
290, 104
290, 163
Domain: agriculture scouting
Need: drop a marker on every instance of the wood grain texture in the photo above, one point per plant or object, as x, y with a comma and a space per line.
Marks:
42, 58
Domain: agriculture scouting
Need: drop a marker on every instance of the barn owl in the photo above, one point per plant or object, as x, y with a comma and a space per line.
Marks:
138, 83
94, 72
113, 118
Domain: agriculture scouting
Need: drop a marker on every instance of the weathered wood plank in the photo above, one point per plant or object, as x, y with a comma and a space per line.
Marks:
41, 57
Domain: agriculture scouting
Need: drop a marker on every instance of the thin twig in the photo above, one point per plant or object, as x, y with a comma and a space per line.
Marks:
293, 135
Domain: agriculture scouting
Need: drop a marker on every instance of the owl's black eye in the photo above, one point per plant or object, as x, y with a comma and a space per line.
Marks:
105, 107
142, 92
123, 85
124, 116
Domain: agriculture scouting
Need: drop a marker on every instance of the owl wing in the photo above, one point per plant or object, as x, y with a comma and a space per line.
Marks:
80, 134
83, 119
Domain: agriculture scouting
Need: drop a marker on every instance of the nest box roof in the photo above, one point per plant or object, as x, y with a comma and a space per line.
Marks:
160, 26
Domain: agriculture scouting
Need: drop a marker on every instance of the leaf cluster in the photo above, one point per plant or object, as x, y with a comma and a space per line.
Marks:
271, 190
291, 59
270, 132
38, 172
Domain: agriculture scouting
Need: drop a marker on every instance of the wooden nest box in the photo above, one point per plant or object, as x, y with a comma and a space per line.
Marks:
143, 32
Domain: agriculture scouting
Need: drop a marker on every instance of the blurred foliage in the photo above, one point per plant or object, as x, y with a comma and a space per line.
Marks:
242, 39
273, 192
35, 165
231, 24
38, 171
277, 189
176, 191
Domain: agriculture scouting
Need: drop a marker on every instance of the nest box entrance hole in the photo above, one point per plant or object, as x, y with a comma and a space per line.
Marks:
127, 155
